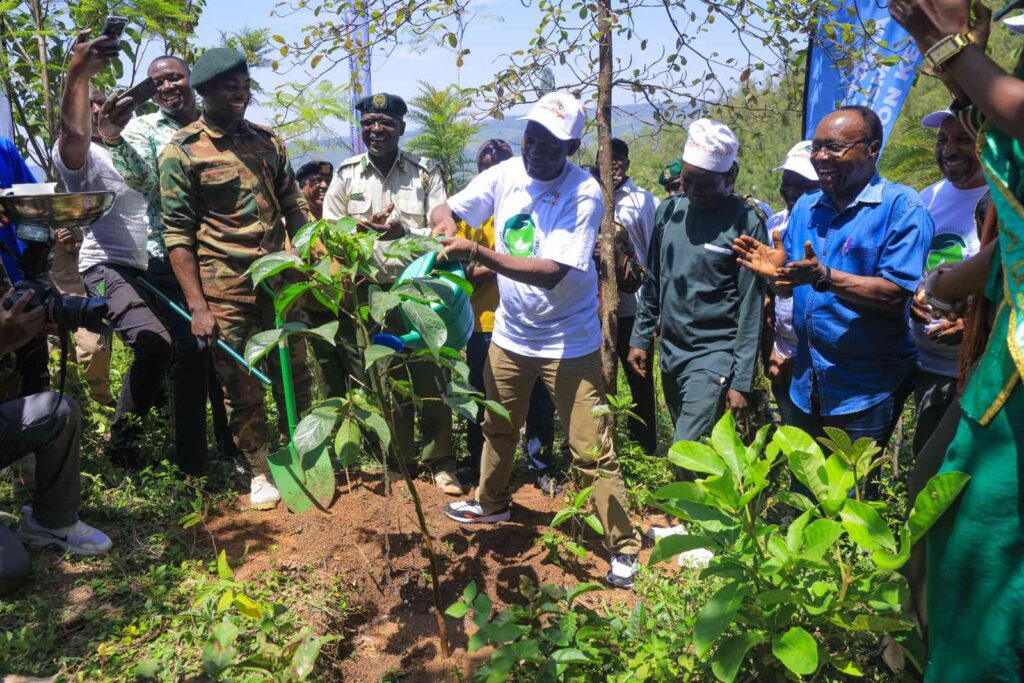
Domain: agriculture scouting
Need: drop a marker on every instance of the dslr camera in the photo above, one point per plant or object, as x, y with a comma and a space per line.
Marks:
67, 311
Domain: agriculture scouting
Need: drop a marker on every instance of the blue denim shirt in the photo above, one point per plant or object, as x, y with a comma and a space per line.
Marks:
856, 355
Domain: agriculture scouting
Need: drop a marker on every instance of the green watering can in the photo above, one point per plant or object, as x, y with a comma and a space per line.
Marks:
455, 309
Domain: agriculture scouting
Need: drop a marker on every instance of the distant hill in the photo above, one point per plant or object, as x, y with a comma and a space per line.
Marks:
628, 122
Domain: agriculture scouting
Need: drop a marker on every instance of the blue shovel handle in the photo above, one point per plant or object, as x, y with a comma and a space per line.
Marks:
227, 349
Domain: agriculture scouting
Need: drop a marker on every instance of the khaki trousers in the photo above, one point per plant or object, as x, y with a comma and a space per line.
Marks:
576, 387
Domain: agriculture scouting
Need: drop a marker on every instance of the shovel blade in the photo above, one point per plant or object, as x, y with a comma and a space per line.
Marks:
303, 482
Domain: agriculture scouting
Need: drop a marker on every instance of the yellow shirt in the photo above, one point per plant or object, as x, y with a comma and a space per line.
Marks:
485, 295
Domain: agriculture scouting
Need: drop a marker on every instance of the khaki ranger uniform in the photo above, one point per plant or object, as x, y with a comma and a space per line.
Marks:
225, 196
414, 186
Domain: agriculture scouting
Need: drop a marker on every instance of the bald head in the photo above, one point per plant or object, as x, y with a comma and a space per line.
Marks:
844, 151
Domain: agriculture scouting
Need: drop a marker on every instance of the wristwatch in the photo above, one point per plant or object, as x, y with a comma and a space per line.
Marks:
824, 282
941, 52
933, 301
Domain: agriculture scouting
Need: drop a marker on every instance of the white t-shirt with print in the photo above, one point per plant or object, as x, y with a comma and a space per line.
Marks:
956, 239
555, 219
635, 209
120, 236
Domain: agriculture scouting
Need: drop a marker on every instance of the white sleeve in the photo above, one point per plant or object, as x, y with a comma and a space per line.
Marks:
74, 179
647, 213
572, 241
475, 204
334, 199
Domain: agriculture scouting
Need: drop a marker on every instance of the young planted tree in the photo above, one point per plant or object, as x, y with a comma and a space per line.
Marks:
444, 130
330, 261
305, 115
35, 40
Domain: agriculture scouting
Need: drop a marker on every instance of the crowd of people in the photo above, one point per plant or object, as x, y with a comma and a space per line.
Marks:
860, 293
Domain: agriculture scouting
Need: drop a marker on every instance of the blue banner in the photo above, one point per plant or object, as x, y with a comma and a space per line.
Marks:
358, 71
882, 74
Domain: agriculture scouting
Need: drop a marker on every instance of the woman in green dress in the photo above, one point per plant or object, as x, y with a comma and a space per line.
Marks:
976, 551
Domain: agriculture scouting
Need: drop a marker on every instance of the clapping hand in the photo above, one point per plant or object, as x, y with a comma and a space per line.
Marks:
759, 257
929, 21
379, 222
804, 272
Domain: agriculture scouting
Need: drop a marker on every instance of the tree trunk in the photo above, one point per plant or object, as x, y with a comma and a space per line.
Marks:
609, 311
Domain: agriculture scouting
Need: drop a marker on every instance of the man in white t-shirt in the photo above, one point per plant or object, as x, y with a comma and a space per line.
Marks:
951, 203
113, 255
779, 337
547, 213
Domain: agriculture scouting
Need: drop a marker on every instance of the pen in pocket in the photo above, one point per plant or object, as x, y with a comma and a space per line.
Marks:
846, 246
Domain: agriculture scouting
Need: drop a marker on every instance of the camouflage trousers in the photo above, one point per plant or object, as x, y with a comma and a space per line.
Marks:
243, 393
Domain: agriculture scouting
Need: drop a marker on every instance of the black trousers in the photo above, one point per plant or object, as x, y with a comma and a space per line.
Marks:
643, 431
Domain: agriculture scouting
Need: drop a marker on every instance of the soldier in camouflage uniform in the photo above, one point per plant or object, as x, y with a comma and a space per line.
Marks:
392, 192
228, 195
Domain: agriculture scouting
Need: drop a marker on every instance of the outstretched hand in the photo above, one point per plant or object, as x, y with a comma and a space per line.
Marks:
929, 21
759, 257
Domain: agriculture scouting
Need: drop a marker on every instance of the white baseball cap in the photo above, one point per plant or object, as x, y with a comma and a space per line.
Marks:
710, 145
559, 112
1015, 23
798, 160
936, 118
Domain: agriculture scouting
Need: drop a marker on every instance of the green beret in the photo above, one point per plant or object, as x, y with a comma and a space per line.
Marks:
217, 61
312, 168
671, 172
382, 103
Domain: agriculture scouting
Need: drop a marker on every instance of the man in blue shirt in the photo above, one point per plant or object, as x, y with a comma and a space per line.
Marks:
13, 169
851, 258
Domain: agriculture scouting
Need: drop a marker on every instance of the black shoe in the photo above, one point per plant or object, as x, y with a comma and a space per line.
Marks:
547, 484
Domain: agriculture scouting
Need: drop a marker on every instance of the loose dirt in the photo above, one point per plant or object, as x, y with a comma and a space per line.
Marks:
372, 542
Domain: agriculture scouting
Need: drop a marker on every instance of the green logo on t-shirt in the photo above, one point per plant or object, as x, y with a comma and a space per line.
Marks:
519, 235
946, 248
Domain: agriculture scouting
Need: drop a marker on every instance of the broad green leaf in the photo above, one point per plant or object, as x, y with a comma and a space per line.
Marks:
819, 536
790, 439
247, 606
594, 523
581, 588
866, 527
462, 405
305, 656
482, 609
797, 650
347, 442
469, 592
839, 476
682, 490
728, 445
795, 533
797, 500
716, 615
223, 568
328, 331
314, 429
875, 623
582, 497
839, 442
427, 323
694, 456
936, 497
303, 239
561, 516
724, 489
377, 424
569, 654
809, 469
271, 265
460, 282
894, 561
756, 446
226, 599
457, 610
496, 408
668, 547
376, 352
728, 658
846, 666
382, 303
262, 343
286, 298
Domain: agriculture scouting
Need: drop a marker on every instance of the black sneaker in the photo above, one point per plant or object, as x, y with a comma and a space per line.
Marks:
547, 484
471, 512
622, 571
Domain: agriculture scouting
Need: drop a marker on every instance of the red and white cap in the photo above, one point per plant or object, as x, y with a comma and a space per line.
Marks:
559, 112
798, 160
710, 145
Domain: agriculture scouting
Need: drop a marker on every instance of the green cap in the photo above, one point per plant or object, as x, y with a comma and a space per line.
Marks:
382, 103
671, 172
217, 61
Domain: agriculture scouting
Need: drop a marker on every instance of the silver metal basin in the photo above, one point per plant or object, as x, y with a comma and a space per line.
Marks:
64, 210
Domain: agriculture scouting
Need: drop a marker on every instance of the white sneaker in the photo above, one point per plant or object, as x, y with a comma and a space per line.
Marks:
78, 538
263, 495
698, 558
658, 532
622, 571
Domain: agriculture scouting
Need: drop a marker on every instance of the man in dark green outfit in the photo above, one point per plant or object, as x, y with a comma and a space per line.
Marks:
709, 307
